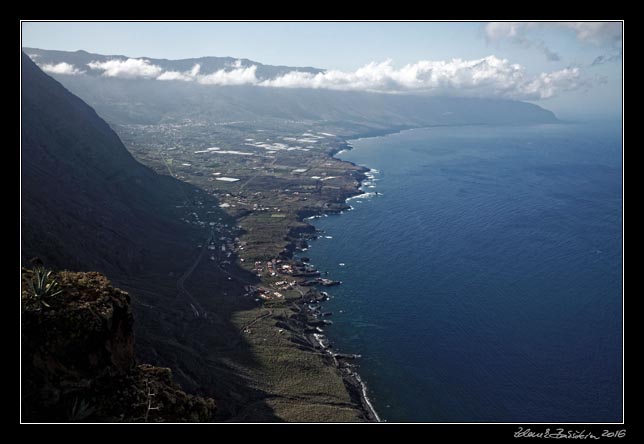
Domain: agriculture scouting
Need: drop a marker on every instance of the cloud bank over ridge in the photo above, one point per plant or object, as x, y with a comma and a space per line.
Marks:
486, 77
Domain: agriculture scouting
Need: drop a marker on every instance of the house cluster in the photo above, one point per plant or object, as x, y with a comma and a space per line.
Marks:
262, 293
276, 267
257, 268
285, 285
271, 267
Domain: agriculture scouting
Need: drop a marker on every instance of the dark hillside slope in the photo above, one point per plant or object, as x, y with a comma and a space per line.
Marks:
87, 204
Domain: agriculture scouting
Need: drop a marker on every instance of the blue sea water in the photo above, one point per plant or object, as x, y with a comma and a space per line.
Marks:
484, 283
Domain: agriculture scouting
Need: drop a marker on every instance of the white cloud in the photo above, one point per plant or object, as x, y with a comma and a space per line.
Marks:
599, 33
195, 70
128, 69
504, 30
547, 85
186, 76
175, 75
605, 35
237, 76
516, 33
486, 77
61, 68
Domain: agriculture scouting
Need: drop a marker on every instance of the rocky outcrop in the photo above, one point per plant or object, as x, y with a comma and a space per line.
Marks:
78, 361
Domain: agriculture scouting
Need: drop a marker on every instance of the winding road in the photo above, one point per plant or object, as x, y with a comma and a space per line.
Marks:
197, 310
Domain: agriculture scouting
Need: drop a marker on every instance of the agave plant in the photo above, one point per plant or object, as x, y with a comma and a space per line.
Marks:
80, 410
43, 286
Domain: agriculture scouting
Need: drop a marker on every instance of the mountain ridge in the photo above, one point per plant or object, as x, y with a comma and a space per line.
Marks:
81, 58
148, 101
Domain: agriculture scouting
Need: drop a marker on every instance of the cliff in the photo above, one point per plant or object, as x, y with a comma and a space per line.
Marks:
86, 203
78, 361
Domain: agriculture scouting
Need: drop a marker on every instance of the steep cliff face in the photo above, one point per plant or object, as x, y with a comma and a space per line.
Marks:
78, 360
87, 204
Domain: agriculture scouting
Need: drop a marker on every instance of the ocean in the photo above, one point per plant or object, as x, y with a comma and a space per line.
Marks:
483, 283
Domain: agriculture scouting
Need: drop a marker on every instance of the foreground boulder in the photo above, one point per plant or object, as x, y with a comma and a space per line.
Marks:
78, 360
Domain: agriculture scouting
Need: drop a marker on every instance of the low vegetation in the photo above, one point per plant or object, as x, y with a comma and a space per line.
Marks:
41, 288
78, 361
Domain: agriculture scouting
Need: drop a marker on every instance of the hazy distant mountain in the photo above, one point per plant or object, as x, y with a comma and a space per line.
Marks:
150, 101
80, 59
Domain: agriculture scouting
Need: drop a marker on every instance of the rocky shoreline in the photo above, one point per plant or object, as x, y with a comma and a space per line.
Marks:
306, 324
307, 320
352, 380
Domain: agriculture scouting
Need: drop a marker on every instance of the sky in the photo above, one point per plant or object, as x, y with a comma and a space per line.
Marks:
571, 68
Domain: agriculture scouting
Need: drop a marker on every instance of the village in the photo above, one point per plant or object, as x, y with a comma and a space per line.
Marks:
285, 270
267, 183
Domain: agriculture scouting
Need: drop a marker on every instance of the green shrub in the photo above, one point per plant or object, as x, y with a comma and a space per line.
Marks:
43, 286
80, 410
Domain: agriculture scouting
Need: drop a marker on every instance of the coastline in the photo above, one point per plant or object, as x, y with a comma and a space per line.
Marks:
376, 325
355, 385
312, 337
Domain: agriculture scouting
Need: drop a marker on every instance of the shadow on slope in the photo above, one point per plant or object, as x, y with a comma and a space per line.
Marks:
87, 204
